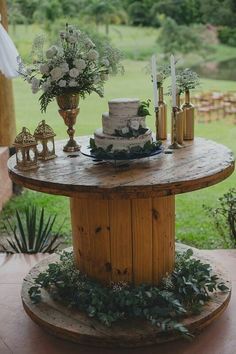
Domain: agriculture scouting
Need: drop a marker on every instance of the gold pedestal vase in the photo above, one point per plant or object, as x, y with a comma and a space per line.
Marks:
69, 110
177, 123
161, 117
188, 110
174, 126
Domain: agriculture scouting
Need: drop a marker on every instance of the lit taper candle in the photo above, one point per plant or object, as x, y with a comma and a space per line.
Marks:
173, 80
154, 79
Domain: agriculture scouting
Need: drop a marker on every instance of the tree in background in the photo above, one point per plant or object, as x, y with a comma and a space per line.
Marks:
101, 11
179, 39
184, 12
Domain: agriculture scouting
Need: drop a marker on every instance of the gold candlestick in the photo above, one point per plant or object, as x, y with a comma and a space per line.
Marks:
179, 122
161, 117
188, 110
174, 141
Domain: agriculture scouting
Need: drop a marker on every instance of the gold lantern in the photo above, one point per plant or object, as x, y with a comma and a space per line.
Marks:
26, 151
44, 136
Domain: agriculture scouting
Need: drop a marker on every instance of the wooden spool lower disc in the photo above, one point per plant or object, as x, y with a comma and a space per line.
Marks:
69, 324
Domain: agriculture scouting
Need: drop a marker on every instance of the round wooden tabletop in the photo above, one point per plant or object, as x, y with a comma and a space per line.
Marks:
201, 163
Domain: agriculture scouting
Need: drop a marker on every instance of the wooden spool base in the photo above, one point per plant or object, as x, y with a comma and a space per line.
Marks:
66, 323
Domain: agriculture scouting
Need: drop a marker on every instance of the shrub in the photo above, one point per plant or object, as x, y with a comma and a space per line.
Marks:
224, 217
227, 36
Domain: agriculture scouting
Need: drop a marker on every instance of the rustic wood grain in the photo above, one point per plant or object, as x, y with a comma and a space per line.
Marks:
199, 164
75, 326
121, 240
142, 240
163, 241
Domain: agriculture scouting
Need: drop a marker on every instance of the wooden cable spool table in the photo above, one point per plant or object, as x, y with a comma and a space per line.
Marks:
123, 218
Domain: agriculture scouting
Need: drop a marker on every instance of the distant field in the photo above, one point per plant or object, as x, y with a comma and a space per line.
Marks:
193, 227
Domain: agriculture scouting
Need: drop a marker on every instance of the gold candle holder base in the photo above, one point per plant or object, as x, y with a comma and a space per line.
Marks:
174, 139
175, 145
69, 117
68, 111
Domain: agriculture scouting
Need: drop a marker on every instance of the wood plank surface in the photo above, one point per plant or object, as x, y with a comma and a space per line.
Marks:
121, 240
81, 234
142, 240
199, 164
163, 236
91, 237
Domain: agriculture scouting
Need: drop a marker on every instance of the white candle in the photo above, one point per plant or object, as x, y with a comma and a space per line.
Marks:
173, 80
154, 79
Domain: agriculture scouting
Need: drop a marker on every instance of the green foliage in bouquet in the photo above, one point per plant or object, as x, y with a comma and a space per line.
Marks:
73, 66
182, 293
186, 80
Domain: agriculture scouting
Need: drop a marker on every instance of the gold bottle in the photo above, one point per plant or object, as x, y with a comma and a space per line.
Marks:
179, 123
188, 110
161, 117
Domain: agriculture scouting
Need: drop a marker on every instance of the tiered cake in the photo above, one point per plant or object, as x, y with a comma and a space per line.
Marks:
122, 128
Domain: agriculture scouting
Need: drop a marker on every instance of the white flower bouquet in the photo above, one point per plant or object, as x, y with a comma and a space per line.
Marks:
72, 67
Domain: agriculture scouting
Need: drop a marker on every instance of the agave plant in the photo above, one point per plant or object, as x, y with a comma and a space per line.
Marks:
30, 233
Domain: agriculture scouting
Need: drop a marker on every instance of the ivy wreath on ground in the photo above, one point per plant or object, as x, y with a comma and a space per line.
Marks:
181, 294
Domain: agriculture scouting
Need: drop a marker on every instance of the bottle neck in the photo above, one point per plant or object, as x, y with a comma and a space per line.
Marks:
160, 95
187, 96
178, 100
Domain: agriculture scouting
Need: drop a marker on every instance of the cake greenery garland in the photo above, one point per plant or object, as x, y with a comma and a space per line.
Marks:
129, 131
181, 294
143, 109
133, 152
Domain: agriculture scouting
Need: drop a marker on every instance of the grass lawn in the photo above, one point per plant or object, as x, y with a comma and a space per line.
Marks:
193, 226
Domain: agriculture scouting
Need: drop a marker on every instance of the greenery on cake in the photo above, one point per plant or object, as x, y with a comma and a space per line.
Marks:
143, 109
133, 152
182, 293
131, 131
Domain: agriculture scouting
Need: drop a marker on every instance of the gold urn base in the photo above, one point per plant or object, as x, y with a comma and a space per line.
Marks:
71, 146
68, 111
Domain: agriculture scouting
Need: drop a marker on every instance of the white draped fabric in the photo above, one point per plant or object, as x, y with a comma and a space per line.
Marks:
8, 55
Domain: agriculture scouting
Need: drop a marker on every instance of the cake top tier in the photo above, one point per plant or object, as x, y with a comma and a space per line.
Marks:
124, 107
123, 100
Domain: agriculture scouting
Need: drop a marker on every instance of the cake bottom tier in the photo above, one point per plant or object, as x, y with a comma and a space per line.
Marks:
119, 143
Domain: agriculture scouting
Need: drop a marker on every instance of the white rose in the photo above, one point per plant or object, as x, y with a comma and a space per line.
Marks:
44, 69
71, 39
74, 72
104, 77
96, 79
28, 71
45, 86
62, 83
35, 85
72, 83
62, 34
51, 52
105, 62
80, 64
64, 67
92, 55
125, 130
88, 43
56, 73
134, 124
